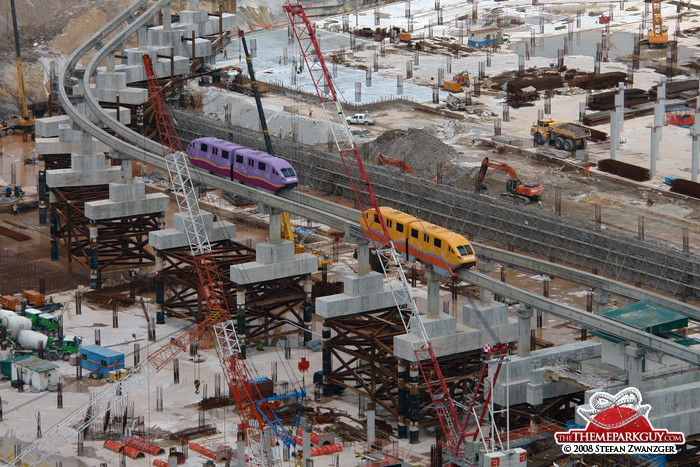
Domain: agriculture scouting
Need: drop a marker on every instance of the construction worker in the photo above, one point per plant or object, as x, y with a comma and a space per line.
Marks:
540, 205
311, 113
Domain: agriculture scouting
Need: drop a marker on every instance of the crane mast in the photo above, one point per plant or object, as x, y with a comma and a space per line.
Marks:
27, 119
455, 431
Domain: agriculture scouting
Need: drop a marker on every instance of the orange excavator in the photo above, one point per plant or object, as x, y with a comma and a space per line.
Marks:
385, 160
514, 186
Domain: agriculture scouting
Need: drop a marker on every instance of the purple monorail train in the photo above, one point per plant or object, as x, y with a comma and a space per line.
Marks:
240, 163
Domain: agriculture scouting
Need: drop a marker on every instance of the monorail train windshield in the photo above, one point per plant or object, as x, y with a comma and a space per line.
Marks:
465, 250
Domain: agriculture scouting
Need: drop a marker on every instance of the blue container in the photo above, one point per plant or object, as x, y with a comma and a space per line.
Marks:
100, 360
668, 180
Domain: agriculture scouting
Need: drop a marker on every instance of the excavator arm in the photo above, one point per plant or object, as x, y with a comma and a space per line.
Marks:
385, 160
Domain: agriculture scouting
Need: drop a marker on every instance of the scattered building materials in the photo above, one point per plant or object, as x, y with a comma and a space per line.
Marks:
13, 234
686, 187
598, 80
606, 100
623, 169
677, 89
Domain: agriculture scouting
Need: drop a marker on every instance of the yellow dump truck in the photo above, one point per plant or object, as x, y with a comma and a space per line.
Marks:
565, 136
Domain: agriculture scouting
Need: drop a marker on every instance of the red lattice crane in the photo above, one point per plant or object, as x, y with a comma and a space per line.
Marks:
455, 429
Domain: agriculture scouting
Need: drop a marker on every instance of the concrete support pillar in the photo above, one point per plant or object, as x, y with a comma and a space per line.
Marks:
413, 405
275, 231
306, 428
485, 267
326, 359
616, 120
433, 279
308, 307
363, 267
659, 112
166, 17
601, 299
524, 315
41, 190
160, 288
402, 396
240, 315
110, 59
127, 170
94, 262
142, 37
194, 4
634, 364
370, 422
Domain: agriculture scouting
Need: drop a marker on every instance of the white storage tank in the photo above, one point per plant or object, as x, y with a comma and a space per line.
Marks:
14, 324
32, 340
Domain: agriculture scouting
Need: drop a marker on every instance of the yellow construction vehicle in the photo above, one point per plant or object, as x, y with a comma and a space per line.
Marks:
324, 259
658, 34
564, 136
459, 81
24, 122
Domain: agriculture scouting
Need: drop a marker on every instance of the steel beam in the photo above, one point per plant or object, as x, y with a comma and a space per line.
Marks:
583, 318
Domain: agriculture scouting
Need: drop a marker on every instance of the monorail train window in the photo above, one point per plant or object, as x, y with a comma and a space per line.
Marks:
399, 227
437, 242
274, 172
204, 147
251, 162
215, 151
451, 250
224, 154
287, 172
262, 166
239, 159
414, 233
376, 219
388, 222
465, 250
426, 238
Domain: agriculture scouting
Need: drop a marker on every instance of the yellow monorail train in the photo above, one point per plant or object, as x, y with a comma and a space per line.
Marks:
427, 242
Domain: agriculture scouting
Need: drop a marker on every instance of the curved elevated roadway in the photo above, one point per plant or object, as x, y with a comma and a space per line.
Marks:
130, 144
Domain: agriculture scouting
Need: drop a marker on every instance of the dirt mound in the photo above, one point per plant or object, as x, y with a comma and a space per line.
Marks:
418, 148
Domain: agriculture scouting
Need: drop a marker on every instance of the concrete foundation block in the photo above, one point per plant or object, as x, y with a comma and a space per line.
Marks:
271, 253
67, 134
159, 37
495, 314
255, 272
202, 48
84, 162
127, 191
173, 238
68, 177
107, 80
181, 66
194, 16
124, 114
134, 55
207, 219
48, 127
355, 285
109, 209
228, 23
461, 340
441, 326
127, 96
339, 305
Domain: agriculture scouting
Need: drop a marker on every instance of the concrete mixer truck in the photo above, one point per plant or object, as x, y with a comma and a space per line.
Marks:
32, 342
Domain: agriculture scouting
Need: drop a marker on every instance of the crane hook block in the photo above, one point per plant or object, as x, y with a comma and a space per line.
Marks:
196, 386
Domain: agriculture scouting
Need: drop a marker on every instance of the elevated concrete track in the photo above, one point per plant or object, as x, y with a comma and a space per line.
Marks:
501, 220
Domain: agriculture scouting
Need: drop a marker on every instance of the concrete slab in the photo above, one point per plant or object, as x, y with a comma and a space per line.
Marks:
252, 273
108, 209
56, 146
194, 16
113, 80
339, 305
128, 96
173, 238
68, 177
495, 314
127, 191
48, 127
272, 253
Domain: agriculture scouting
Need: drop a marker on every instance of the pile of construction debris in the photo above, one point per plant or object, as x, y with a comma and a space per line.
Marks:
419, 148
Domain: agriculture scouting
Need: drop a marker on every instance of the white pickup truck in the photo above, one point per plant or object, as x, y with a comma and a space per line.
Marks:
361, 119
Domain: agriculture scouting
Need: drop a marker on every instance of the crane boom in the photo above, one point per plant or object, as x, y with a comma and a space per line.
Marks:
27, 119
365, 198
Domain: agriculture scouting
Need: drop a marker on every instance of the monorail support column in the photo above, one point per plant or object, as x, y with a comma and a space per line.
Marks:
634, 364
41, 189
275, 232
402, 396
524, 314
363, 266
167, 21
433, 279
413, 405
54, 232
485, 267
94, 262
240, 315
308, 307
601, 299
326, 356
160, 288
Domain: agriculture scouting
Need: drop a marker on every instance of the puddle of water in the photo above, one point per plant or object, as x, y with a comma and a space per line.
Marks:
14, 152
620, 44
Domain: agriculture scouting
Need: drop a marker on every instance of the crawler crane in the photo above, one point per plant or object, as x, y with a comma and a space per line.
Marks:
453, 425
658, 34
